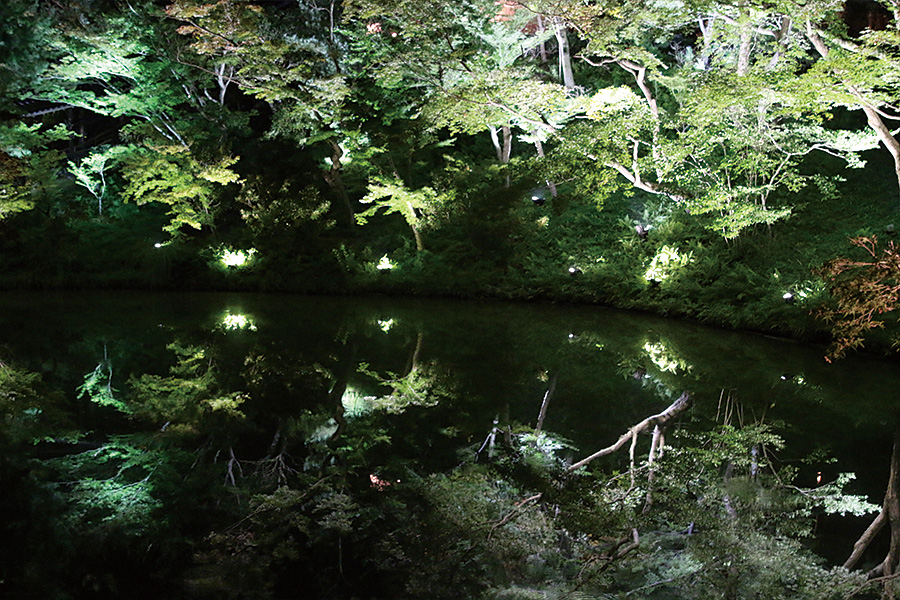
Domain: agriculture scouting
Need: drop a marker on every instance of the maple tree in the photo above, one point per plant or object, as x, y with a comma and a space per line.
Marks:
865, 292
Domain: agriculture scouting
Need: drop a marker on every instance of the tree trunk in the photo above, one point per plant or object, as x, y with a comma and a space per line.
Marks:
413, 363
420, 245
345, 368
872, 115
507, 144
884, 134
892, 508
539, 147
865, 539
656, 450
543, 47
336, 182
782, 38
548, 395
890, 516
743, 63
495, 139
503, 147
223, 79
639, 72
565, 57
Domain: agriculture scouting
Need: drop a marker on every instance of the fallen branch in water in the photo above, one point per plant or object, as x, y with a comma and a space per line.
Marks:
631, 435
889, 516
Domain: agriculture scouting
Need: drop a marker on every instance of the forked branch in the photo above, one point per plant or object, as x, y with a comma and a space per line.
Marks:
676, 407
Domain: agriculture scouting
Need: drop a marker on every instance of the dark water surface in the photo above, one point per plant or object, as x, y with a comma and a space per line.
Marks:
465, 365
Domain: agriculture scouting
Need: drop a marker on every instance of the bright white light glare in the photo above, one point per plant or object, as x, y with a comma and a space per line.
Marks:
236, 258
385, 324
157, 245
385, 264
232, 322
787, 295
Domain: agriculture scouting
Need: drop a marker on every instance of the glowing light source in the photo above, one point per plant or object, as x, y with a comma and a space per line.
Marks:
385, 324
236, 258
157, 245
385, 264
788, 297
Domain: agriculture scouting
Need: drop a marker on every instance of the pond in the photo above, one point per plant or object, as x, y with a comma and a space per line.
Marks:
251, 446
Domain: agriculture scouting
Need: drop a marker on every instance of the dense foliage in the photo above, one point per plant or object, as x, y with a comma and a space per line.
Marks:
705, 158
688, 158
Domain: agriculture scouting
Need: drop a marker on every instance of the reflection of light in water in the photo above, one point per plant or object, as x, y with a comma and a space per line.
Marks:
662, 358
797, 379
385, 324
234, 322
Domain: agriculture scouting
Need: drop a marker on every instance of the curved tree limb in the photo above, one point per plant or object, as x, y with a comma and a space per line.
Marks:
676, 407
865, 539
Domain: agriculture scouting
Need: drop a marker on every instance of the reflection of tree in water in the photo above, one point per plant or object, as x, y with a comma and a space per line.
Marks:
267, 469
885, 571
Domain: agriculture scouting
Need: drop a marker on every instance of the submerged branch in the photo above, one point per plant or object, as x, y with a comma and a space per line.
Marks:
865, 539
676, 407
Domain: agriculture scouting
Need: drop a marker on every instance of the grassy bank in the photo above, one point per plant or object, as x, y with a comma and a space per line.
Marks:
497, 243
